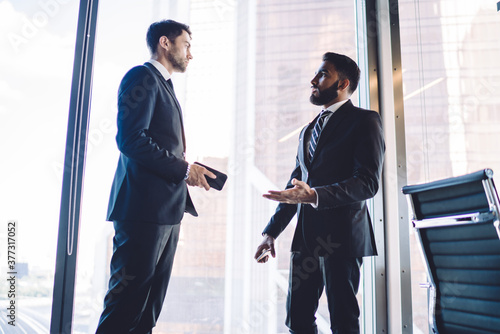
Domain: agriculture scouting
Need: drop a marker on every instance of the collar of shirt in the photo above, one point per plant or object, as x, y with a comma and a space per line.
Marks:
333, 108
160, 68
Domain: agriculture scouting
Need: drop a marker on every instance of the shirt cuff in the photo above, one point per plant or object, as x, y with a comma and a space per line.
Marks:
187, 171
315, 205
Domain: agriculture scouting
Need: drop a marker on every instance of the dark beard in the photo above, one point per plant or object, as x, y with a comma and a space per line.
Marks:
177, 63
325, 96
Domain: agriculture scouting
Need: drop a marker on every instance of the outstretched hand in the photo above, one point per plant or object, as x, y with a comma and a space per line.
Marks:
300, 193
196, 177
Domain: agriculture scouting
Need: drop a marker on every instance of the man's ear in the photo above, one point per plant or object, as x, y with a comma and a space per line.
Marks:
164, 42
344, 84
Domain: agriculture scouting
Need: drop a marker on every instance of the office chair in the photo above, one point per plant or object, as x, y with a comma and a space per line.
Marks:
457, 223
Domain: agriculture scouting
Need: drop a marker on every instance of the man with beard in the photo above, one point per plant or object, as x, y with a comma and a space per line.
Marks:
339, 162
149, 193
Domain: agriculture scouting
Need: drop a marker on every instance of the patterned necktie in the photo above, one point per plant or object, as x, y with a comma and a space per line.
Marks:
317, 131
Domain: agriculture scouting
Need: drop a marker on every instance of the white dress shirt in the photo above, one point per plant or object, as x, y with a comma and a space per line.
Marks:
333, 108
159, 66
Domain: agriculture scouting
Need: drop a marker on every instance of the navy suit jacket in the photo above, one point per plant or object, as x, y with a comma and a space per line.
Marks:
345, 171
149, 181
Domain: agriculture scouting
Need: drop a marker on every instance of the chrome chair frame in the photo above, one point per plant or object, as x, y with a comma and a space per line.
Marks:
488, 211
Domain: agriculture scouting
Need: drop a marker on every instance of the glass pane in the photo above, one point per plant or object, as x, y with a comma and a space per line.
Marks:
195, 297
451, 85
290, 38
38, 43
244, 96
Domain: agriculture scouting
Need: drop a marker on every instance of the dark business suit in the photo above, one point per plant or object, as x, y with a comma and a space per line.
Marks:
148, 199
332, 238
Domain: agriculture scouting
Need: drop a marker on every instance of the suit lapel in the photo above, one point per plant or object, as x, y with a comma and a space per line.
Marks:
304, 142
170, 90
331, 125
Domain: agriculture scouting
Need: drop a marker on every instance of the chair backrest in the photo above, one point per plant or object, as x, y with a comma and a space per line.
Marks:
456, 220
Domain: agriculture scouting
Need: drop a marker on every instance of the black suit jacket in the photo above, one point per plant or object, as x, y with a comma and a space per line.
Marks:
149, 181
345, 171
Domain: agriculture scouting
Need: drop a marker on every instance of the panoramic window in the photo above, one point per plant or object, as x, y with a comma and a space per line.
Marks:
245, 96
451, 81
38, 45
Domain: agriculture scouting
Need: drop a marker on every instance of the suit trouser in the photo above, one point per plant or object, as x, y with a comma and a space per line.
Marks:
309, 275
140, 269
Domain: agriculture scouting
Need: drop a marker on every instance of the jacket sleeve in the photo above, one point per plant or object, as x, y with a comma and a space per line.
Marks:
285, 212
367, 167
136, 104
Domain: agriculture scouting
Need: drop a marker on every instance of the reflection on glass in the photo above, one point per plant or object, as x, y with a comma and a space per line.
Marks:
451, 79
38, 43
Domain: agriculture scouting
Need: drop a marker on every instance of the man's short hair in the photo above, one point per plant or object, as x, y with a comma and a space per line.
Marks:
345, 67
169, 28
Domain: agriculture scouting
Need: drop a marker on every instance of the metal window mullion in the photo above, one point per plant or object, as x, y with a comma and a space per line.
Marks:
374, 291
73, 174
404, 224
383, 30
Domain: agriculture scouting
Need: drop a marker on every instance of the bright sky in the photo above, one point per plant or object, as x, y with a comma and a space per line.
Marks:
34, 100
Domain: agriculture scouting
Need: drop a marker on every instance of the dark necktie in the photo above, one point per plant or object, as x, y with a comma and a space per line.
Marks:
171, 85
317, 131
169, 82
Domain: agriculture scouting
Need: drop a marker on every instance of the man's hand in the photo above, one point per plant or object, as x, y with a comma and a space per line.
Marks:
196, 177
300, 193
266, 244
